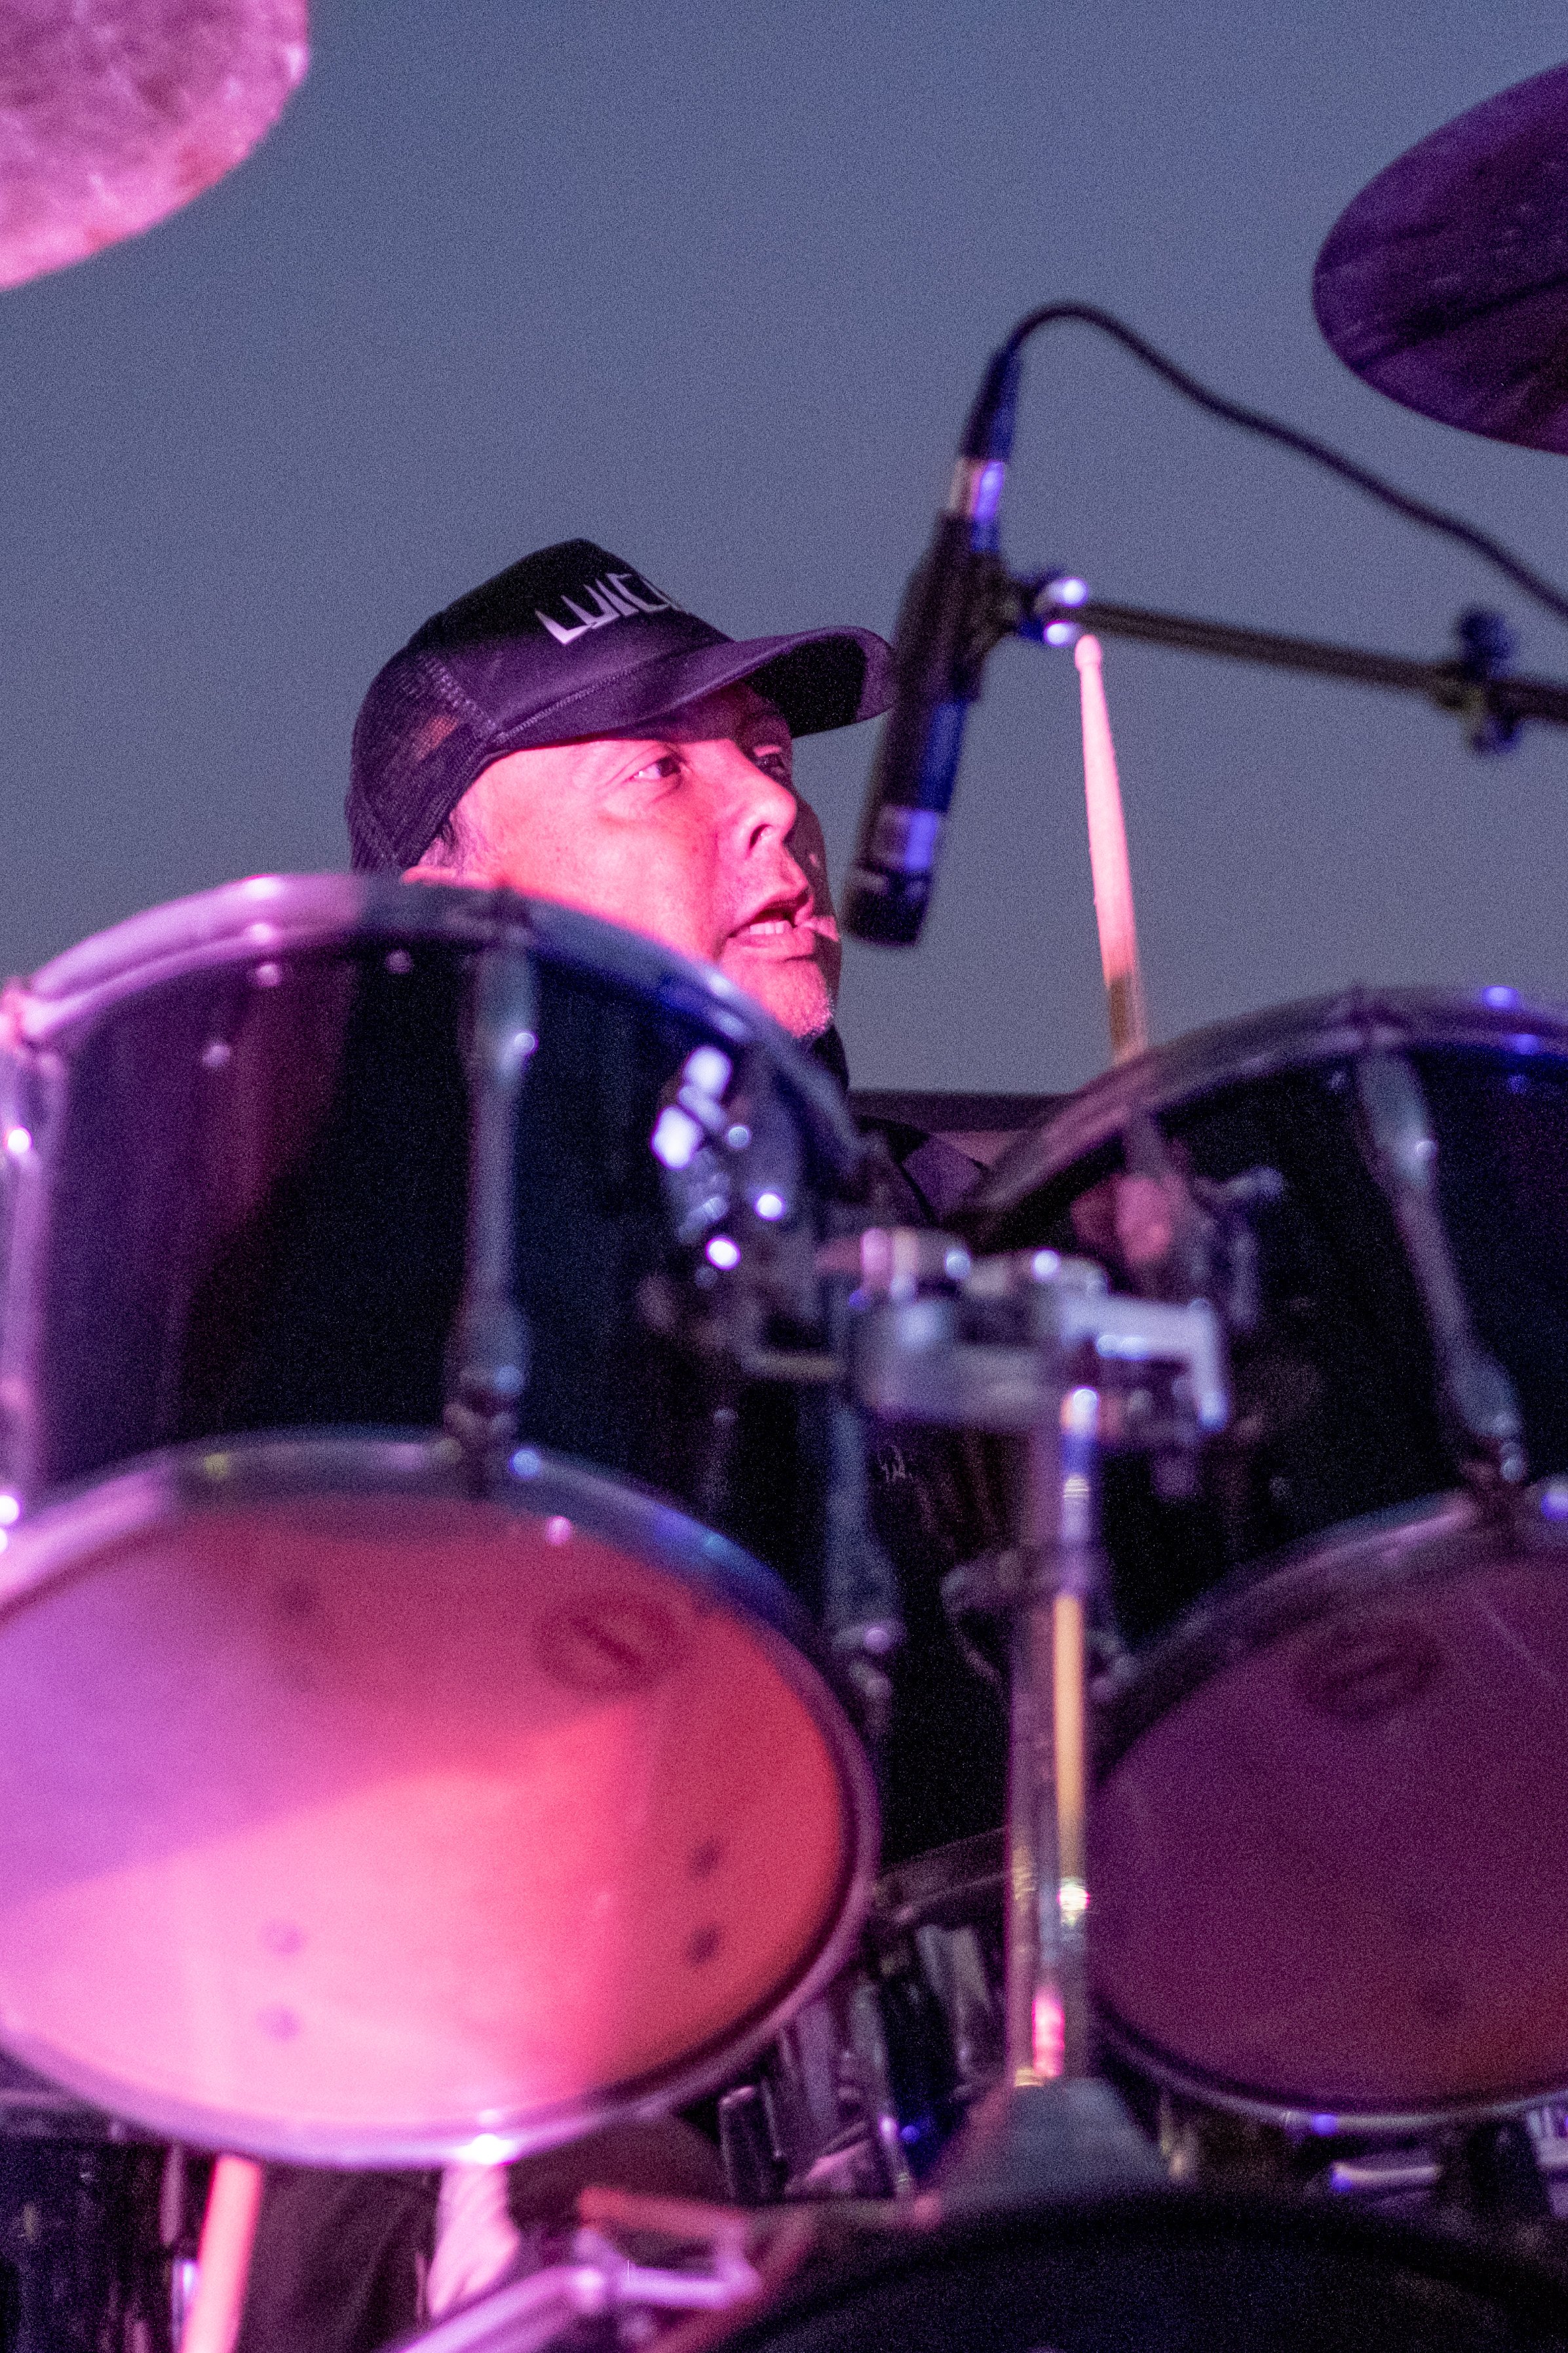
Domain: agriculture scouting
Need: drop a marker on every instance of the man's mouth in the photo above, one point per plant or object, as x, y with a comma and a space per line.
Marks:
784, 920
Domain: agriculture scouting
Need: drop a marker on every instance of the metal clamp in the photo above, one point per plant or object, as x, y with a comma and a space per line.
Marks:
927, 1355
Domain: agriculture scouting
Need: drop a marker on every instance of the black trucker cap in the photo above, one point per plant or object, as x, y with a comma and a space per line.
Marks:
569, 643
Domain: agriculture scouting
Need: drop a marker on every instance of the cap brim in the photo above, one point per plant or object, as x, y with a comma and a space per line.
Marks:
818, 679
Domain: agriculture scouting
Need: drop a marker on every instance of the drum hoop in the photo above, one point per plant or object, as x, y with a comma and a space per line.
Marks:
48, 1546
1258, 1046
1303, 2118
282, 914
1261, 1603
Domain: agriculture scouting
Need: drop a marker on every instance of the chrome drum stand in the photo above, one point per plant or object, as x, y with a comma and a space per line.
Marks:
1035, 1346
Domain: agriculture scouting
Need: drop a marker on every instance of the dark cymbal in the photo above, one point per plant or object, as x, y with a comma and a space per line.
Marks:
114, 112
1445, 283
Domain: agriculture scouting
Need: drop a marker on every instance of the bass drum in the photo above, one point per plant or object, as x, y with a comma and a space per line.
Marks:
1167, 2272
365, 1805
1331, 1716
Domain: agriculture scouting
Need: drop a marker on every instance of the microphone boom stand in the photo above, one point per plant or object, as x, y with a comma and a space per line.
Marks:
1474, 684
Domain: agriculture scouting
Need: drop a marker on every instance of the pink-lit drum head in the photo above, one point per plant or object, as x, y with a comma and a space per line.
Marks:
348, 1818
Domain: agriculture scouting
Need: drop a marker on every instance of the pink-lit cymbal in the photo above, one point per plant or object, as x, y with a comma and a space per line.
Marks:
115, 112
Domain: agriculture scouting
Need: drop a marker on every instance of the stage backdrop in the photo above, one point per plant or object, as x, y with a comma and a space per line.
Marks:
712, 282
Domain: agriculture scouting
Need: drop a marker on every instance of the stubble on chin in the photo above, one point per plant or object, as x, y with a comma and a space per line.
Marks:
797, 995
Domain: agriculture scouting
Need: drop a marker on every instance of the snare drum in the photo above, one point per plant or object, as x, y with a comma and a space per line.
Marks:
868, 2083
1328, 1883
370, 1800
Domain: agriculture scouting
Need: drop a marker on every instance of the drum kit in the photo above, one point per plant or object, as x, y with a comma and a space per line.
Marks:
449, 1620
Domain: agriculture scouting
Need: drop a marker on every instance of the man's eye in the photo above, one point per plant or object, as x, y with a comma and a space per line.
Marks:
659, 770
769, 757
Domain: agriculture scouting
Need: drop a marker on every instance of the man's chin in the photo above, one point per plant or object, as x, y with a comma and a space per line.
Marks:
795, 991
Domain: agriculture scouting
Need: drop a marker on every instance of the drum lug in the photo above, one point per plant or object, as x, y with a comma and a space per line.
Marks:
873, 2068
1476, 1393
747, 2146
488, 1350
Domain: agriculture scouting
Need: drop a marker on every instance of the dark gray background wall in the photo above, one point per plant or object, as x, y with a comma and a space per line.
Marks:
711, 280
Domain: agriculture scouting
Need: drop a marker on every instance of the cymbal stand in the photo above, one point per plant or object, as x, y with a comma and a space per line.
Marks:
1036, 1346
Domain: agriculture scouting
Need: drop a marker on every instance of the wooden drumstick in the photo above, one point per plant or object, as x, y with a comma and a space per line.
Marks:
223, 2258
1113, 908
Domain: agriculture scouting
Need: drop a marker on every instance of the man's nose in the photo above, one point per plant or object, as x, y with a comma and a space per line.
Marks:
767, 805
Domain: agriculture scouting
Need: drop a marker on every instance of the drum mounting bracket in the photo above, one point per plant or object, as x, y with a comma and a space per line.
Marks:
488, 1350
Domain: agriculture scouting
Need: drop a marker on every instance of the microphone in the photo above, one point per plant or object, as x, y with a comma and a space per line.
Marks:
947, 625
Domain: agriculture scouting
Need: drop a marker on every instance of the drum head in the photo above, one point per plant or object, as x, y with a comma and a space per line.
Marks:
1167, 2272
1328, 1886
350, 1819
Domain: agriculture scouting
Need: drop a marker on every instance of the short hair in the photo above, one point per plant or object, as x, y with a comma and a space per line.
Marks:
456, 844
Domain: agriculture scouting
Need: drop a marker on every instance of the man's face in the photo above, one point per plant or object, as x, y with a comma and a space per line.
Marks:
690, 833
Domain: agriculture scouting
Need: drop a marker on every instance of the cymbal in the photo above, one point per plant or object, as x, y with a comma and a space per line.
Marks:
1445, 283
115, 112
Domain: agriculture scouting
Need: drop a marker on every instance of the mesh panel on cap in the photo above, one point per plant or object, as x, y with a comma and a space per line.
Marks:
422, 742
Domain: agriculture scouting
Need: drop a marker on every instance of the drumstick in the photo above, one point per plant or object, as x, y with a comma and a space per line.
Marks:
1113, 908
223, 2258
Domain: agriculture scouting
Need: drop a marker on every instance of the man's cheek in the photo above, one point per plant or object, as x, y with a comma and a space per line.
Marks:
806, 845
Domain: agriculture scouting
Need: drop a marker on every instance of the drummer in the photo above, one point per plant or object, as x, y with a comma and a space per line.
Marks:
569, 731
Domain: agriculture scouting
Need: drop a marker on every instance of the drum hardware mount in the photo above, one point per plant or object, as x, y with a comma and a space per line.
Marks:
731, 1174
1023, 1346
597, 2280
488, 1349
749, 1266
1478, 1397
